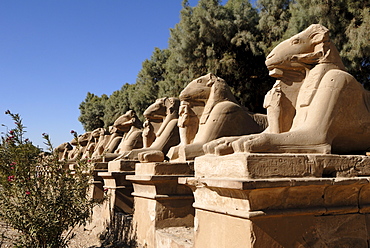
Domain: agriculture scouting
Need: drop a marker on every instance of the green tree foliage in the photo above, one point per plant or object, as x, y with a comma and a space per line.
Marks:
38, 197
102, 111
92, 111
274, 19
248, 76
117, 104
357, 50
222, 40
151, 76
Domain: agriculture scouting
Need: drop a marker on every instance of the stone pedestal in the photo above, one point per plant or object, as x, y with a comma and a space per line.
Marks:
97, 183
97, 190
257, 165
117, 187
98, 221
118, 190
110, 182
281, 200
160, 202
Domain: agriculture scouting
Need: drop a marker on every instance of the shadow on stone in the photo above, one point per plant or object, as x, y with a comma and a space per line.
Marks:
120, 232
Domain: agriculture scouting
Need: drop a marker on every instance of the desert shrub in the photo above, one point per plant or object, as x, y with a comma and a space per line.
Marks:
39, 196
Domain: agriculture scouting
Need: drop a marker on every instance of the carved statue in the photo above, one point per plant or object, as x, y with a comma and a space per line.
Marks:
321, 108
107, 143
130, 125
80, 145
148, 134
63, 150
133, 131
222, 115
92, 143
167, 135
188, 123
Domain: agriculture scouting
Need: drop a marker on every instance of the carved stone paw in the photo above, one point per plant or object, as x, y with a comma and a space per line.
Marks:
221, 146
151, 156
250, 143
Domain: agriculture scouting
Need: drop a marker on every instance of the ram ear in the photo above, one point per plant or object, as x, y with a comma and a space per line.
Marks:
167, 101
212, 79
170, 104
317, 38
320, 34
132, 113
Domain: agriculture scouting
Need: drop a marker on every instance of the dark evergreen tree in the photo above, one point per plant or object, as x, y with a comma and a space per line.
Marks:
247, 75
117, 104
357, 50
274, 16
92, 111
147, 87
222, 40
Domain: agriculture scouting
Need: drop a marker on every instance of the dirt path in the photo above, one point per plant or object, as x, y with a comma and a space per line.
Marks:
7, 235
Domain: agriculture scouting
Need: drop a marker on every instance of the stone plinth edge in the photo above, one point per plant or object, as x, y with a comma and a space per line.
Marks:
100, 166
122, 165
164, 168
258, 198
258, 165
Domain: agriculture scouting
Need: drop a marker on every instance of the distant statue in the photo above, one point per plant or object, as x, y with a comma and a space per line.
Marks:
107, 143
92, 143
166, 136
222, 116
315, 105
131, 126
80, 145
62, 150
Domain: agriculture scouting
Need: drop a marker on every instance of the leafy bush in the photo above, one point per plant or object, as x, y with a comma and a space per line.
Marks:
39, 196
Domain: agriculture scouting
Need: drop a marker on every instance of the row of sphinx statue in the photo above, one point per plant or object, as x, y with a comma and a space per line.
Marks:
315, 106
174, 129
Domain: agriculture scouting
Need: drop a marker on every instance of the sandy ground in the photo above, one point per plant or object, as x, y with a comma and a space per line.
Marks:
83, 239
7, 235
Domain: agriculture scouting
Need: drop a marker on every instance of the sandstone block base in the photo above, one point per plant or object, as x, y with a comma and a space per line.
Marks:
119, 190
100, 213
110, 181
215, 230
281, 200
122, 165
160, 202
259, 165
289, 212
163, 168
100, 165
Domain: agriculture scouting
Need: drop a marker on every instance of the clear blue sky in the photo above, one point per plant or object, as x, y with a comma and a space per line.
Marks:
52, 52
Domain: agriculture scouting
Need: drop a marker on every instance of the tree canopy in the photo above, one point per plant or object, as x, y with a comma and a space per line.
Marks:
232, 41
92, 111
